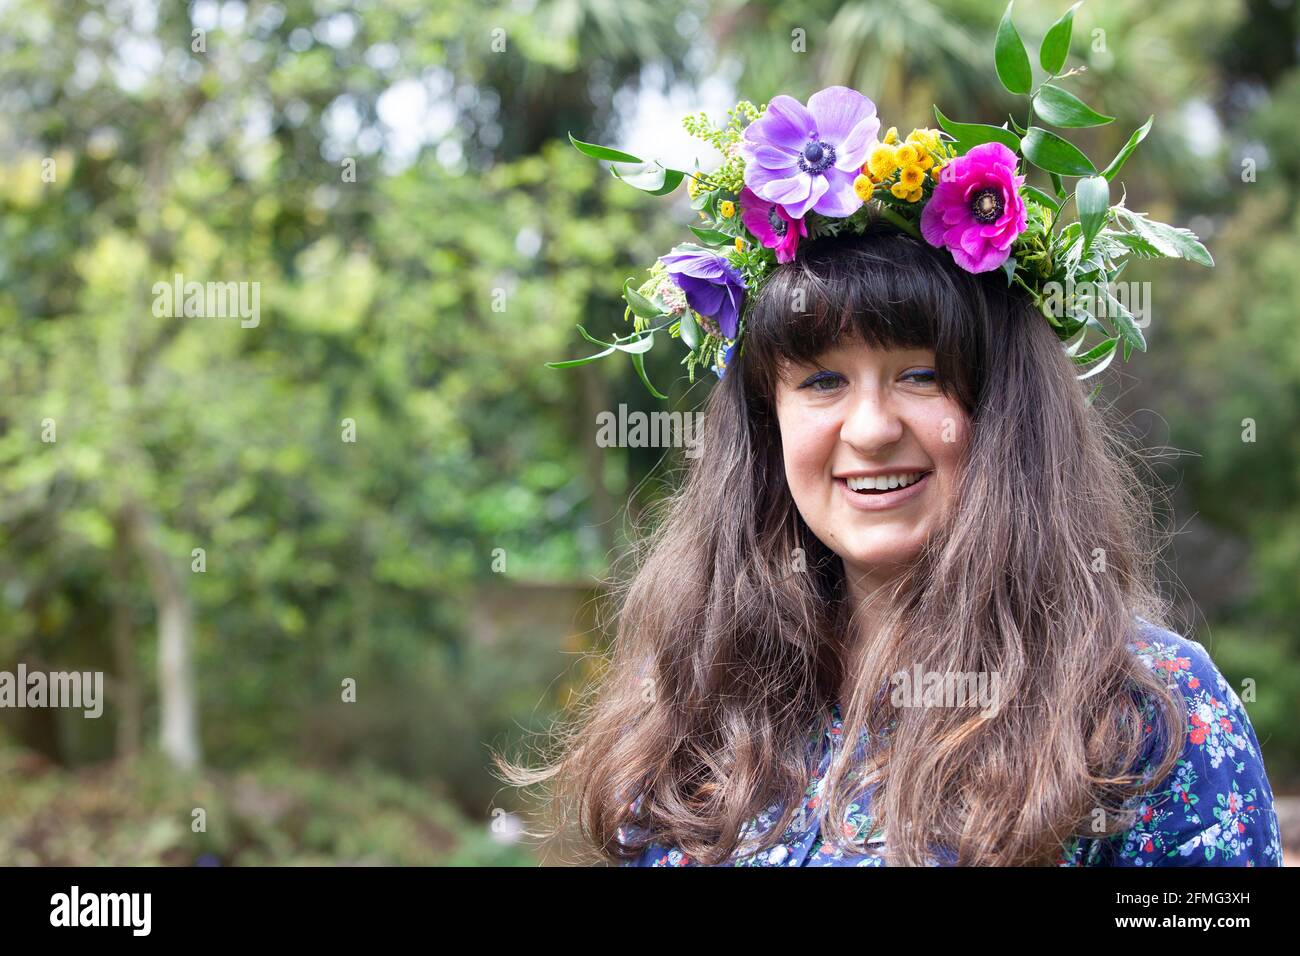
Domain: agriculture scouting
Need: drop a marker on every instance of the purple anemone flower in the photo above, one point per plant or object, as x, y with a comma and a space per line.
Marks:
714, 287
976, 210
771, 224
808, 158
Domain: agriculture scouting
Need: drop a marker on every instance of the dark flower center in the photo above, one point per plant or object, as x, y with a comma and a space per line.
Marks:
986, 205
776, 222
816, 156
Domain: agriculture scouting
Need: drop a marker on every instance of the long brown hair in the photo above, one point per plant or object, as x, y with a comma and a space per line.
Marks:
731, 632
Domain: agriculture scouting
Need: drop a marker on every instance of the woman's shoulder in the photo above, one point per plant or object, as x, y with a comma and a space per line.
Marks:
1215, 807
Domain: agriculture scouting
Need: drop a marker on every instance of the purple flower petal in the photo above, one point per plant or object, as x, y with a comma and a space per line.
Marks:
853, 152
786, 123
837, 110
817, 187
840, 199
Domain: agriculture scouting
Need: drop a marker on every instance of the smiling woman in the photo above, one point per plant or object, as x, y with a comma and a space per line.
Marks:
900, 475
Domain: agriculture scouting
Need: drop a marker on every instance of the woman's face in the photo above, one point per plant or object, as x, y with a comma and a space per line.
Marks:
861, 417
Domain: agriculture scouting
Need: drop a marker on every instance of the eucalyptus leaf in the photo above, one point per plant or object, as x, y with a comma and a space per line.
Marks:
639, 304
604, 152
653, 177
1099, 368
1096, 353
1011, 58
1041, 197
1049, 152
638, 362
573, 363
974, 134
634, 345
1117, 163
1062, 108
1092, 196
712, 237
1056, 43
690, 330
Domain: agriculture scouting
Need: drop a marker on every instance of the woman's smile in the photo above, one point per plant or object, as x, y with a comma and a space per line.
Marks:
884, 491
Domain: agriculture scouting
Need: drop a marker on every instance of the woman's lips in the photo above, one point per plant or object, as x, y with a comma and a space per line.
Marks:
883, 500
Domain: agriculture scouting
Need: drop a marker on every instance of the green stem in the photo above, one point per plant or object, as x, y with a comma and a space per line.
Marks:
897, 220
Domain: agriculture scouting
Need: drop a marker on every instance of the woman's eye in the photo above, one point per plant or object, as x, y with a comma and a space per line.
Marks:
823, 381
925, 376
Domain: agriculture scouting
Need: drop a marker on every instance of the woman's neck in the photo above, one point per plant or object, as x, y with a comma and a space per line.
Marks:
867, 592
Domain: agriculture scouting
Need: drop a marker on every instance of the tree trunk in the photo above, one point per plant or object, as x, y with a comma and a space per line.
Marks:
178, 704
126, 685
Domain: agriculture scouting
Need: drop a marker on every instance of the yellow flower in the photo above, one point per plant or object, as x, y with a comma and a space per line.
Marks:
926, 161
740, 244
914, 195
899, 190
911, 177
925, 137
692, 187
864, 187
882, 162
907, 154
727, 208
891, 137
934, 173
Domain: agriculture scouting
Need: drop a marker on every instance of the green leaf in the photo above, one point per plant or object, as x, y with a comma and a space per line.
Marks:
1138, 135
1041, 197
1062, 108
1058, 186
638, 362
1009, 267
653, 177
639, 304
1136, 245
1099, 368
973, 134
603, 152
634, 344
1098, 352
1049, 152
1056, 43
712, 237
573, 363
1124, 321
1020, 130
1011, 58
1171, 241
1092, 196
690, 330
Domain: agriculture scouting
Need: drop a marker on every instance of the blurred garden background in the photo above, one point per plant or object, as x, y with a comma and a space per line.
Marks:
183, 506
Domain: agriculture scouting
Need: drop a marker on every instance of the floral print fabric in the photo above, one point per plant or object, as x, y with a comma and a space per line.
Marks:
1214, 809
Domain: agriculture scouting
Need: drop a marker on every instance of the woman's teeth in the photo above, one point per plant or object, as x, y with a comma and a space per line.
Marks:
885, 482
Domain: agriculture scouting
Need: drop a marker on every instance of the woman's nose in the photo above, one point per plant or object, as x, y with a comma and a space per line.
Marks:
871, 423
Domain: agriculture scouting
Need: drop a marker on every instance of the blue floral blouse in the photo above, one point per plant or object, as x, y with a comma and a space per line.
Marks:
1214, 809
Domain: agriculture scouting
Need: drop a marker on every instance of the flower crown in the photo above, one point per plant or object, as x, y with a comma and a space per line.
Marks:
796, 172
